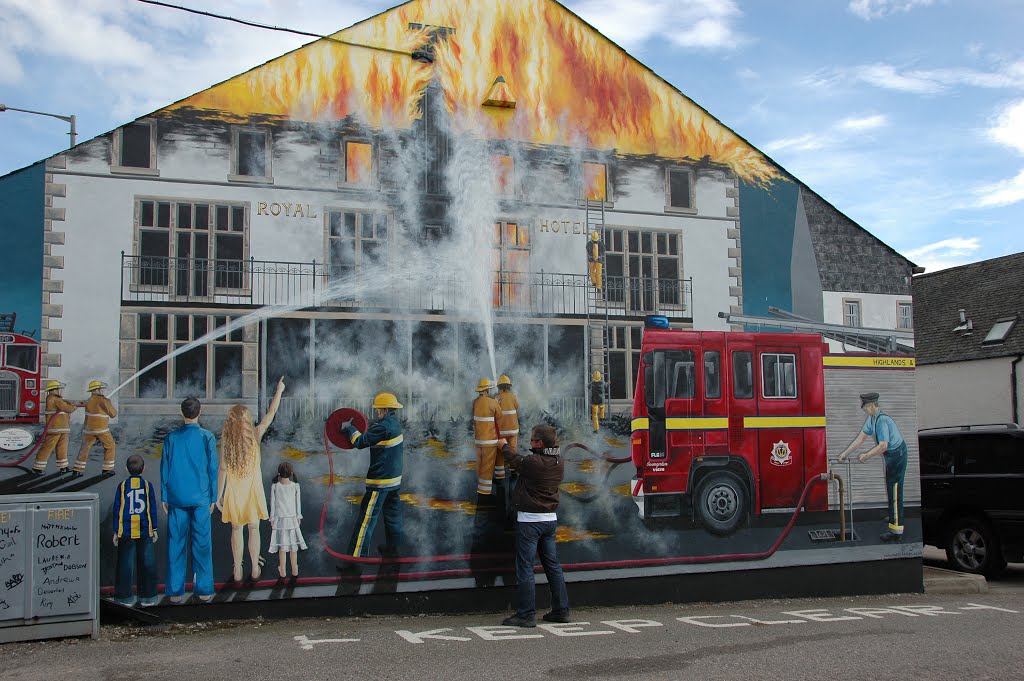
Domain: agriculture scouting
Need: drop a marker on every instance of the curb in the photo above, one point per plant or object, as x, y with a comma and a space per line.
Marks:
940, 581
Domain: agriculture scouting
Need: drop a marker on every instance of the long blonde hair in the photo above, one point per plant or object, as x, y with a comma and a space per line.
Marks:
238, 442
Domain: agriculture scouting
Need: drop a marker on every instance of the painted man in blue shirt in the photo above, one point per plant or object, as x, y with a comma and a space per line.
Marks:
188, 485
889, 443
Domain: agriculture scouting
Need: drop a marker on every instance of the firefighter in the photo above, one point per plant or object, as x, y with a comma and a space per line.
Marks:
383, 477
890, 444
595, 254
98, 412
58, 431
490, 465
508, 422
597, 407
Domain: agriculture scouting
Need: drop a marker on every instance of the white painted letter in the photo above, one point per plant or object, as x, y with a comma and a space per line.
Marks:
573, 629
631, 626
434, 634
499, 633
819, 615
695, 620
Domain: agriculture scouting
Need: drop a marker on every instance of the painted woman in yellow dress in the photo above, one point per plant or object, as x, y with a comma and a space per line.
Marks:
241, 499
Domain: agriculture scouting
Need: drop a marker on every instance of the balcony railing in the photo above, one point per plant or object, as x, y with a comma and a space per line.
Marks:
260, 283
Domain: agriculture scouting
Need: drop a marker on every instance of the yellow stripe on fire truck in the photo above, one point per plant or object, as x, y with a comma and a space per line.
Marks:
869, 361
719, 423
783, 421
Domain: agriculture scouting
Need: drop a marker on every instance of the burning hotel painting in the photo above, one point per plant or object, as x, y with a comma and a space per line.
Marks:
407, 208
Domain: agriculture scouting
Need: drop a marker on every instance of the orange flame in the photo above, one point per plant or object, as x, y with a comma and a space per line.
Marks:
572, 86
566, 534
575, 487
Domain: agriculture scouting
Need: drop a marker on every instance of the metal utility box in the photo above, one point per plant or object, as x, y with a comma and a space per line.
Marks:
49, 566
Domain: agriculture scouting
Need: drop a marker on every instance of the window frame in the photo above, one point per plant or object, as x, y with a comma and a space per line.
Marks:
692, 183
513, 184
117, 145
905, 304
361, 212
374, 180
609, 194
796, 375
233, 175
613, 233
860, 312
626, 340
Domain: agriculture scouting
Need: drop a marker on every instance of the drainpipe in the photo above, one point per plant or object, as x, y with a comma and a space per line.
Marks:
1014, 401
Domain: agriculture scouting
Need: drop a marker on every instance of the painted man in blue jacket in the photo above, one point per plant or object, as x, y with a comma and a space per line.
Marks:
890, 444
188, 485
383, 478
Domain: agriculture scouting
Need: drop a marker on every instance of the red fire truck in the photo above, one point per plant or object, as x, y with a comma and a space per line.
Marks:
735, 422
20, 391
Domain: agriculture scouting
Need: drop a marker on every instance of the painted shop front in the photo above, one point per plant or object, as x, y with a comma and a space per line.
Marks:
448, 191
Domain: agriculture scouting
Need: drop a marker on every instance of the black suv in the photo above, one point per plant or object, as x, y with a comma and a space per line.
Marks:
972, 494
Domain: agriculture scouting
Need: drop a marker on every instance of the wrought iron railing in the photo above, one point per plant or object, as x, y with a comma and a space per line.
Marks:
259, 283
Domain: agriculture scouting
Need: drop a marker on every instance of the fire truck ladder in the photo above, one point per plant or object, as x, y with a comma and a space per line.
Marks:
597, 299
865, 338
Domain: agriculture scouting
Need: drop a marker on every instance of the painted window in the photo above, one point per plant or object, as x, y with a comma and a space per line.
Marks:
712, 374
644, 269
511, 247
595, 181
504, 174
851, 313
193, 248
359, 163
679, 186
904, 316
357, 240
778, 375
743, 374
134, 148
623, 360
251, 155
212, 370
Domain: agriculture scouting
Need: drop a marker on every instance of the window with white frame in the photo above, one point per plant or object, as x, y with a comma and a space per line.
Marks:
623, 360
512, 258
904, 315
193, 248
250, 155
778, 375
134, 149
359, 164
679, 190
851, 312
212, 370
645, 268
356, 240
595, 181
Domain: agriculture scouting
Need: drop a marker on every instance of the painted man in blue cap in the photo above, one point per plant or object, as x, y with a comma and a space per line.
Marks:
889, 443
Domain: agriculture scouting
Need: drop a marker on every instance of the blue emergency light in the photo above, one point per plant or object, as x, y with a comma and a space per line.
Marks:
656, 321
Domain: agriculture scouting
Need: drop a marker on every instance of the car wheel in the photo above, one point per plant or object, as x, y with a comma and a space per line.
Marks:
972, 546
721, 502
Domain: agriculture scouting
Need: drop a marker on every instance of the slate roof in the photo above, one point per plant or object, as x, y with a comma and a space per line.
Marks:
986, 291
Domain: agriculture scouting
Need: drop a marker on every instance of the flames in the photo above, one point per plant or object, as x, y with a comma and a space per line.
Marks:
571, 86
566, 534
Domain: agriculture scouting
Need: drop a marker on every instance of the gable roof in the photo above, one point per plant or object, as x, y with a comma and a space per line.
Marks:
987, 291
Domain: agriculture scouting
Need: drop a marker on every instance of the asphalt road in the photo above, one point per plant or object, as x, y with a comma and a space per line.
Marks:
970, 636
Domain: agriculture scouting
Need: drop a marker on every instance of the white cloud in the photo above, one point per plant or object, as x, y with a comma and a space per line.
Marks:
808, 142
886, 76
862, 124
876, 9
1009, 126
1002, 193
944, 254
699, 24
920, 81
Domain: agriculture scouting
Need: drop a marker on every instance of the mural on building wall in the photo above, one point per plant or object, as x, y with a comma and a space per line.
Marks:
391, 229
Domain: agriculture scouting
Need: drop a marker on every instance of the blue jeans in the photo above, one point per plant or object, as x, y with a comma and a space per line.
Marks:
136, 558
895, 472
538, 539
374, 501
188, 535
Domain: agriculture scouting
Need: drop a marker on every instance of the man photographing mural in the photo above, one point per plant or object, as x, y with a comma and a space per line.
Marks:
888, 442
535, 500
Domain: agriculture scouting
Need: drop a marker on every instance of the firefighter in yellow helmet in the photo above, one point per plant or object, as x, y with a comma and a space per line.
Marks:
98, 412
490, 465
58, 432
508, 421
595, 255
597, 406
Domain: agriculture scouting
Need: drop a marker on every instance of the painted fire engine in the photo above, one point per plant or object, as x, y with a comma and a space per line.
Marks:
735, 423
19, 375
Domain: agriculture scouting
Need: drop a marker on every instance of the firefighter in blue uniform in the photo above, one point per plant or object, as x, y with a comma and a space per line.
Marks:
890, 444
383, 478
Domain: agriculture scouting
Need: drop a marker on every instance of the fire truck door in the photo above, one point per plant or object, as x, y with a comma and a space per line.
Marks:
780, 446
684, 423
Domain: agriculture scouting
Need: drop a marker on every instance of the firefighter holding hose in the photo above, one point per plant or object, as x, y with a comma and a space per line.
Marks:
98, 412
490, 465
508, 421
383, 477
59, 430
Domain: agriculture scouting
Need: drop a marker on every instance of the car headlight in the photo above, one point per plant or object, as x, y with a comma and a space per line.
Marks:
30, 405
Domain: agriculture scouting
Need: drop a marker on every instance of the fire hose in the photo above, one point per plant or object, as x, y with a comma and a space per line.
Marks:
34, 449
614, 462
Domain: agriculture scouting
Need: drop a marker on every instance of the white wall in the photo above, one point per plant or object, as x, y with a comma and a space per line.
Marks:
965, 393
877, 310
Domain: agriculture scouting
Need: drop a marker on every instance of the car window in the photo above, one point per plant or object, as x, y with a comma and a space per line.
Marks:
937, 455
991, 453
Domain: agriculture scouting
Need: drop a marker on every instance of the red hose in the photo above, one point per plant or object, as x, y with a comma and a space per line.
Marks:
39, 442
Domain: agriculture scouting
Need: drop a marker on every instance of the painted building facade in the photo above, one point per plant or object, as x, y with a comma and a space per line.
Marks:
407, 206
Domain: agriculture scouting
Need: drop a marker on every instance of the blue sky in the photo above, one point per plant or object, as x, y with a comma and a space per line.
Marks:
907, 115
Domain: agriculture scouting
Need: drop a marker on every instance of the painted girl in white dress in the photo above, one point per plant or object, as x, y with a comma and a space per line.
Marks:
285, 517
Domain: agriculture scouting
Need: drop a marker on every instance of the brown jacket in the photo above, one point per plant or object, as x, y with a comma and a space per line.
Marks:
56, 406
98, 412
539, 478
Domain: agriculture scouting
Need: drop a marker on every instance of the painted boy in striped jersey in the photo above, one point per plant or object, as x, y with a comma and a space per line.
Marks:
135, 534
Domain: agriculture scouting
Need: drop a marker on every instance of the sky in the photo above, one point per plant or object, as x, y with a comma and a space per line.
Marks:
906, 115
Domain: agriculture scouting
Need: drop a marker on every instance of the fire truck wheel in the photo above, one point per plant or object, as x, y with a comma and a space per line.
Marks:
721, 502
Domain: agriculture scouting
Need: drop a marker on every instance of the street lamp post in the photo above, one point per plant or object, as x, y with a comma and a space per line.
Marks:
69, 119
